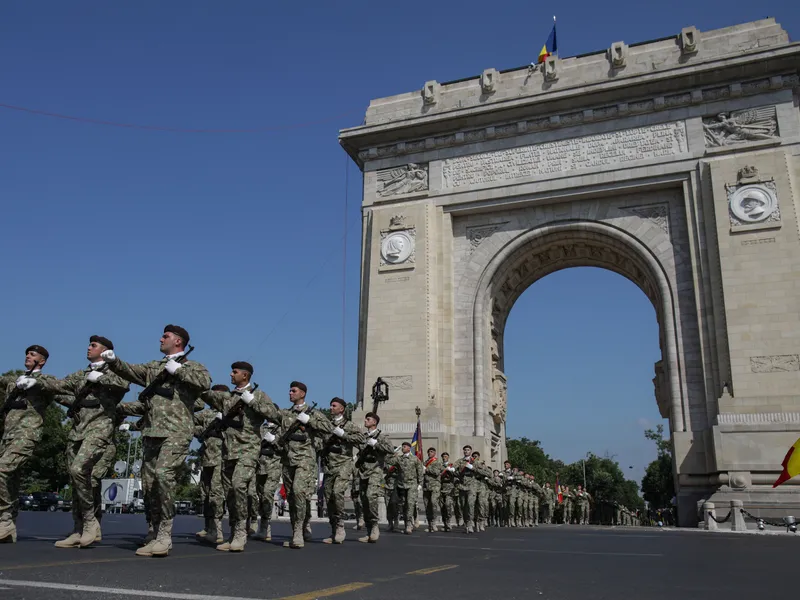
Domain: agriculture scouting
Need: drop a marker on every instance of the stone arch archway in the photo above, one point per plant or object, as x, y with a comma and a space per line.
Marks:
543, 250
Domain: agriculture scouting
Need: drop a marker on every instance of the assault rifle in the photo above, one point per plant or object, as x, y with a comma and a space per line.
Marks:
85, 391
147, 393
334, 439
290, 431
367, 450
217, 426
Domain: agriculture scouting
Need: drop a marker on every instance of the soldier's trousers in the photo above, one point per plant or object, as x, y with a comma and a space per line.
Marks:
371, 493
99, 471
431, 499
355, 496
446, 506
535, 509
456, 499
236, 477
82, 456
567, 513
469, 494
407, 503
266, 484
585, 513
162, 457
211, 492
391, 501
14, 454
334, 486
300, 482
547, 512
481, 503
508, 508
519, 509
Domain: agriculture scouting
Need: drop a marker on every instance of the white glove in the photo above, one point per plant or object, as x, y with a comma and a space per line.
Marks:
108, 356
511, 478
218, 416
248, 397
124, 426
268, 436
303, 418
451, 469
26, 383
419, 488
372, 442
338, 432
172, 366
20, 378
93, 376
469, 466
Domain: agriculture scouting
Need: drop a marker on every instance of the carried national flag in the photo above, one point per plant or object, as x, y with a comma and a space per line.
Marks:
558, 491
550, 46
790, 464
416, 442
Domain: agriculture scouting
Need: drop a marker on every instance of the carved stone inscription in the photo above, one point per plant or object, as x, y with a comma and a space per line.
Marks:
592, 151
775, 364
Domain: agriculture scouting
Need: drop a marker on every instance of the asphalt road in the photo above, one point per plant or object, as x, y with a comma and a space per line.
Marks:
549, 562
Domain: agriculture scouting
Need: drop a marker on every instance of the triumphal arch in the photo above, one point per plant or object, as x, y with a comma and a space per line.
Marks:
674, 163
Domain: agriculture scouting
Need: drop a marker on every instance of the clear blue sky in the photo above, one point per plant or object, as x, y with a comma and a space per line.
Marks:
119, 231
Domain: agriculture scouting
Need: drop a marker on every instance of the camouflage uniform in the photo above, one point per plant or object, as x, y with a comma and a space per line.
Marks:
509, 497
241, 445
167, 432
468, 489
537, 493
337, 465
99, 472
299, 462
432, 489
448, 479
568, 505
391, 473
369, 467
496, 504
356, 498
582, 498
268, 477
548, 502
22, 431
408, 483
92, 407
211, 493
483, 474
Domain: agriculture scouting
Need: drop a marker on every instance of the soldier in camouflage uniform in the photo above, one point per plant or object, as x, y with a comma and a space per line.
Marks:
518, 497
568, 504
548, 501
509, 495
211, 493
369, 467
337, 466
538, 493
448, 490
482, 476
523, 499
92, 395
583, 498
468, 487
356, 498
432, 487
391, 471
409, 483
268, 477
496, 499
168, 427
300, 460
27, 398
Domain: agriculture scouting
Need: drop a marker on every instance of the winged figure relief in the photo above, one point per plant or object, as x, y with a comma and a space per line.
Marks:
749, 125
402, 180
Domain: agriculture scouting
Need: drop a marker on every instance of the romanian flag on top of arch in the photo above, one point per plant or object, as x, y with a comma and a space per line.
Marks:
550, 46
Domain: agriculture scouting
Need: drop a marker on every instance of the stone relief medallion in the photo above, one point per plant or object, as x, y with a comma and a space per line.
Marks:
753, 203
397, 247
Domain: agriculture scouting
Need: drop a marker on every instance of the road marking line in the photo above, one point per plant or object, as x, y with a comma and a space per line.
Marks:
539, 551
430, 570
339, 589
117, 591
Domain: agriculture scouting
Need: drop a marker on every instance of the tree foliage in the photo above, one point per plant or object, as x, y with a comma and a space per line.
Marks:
658, 484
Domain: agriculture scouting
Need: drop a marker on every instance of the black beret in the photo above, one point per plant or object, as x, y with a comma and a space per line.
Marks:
179, 331
102, 340
299, 385
338, 401
40, 349
243, 366
220, 387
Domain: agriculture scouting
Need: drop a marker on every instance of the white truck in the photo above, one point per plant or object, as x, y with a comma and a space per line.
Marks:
122, 495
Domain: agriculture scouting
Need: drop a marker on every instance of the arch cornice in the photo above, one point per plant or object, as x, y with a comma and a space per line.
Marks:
590, 243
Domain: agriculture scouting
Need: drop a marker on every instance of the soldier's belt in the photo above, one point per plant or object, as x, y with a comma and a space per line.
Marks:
267, 451
166, 392
18, 404
298, 437
89, 403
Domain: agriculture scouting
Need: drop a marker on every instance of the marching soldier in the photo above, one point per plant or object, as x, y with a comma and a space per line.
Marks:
356, 498
168, 427
448, 479
369, 467
337, 466
92, 395
468, 487
268, 477
583, 498
482, 476
391, 473
432, 487
243, 411
27, 398
496, 499
408, 484
549, 500
300, 428
568, 498
509, 495
213, 497
537, 493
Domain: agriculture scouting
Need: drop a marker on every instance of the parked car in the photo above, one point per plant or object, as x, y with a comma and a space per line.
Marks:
50, 501
27, 502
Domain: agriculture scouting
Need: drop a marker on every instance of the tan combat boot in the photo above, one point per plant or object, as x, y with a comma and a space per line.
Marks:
74, 539
150, 539
268, 536
163, 543
409, 529
263, 530
359, 524
151, 534
89, 535
239, 538
340, 534
250, 529
298, 539
214, 533
8, 530
203, 532
329, 540
307, 533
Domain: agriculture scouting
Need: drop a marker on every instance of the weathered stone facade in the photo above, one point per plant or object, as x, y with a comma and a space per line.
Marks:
674, 163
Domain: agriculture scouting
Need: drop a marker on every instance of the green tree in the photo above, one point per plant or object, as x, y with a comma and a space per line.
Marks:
658, 484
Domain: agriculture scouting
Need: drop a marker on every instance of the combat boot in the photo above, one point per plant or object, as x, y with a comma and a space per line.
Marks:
147, 548
307, 533
214, 533
74, 539
8, 530
263, 532
151, 534
203, 532
239, 538
250, 530
329, 540
298, 537
409, 529
360, 524
90, 529
469, 528
163, 543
